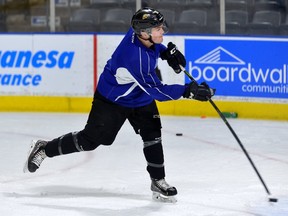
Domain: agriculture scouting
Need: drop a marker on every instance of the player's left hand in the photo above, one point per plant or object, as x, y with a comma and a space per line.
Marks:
174, 57
200, 92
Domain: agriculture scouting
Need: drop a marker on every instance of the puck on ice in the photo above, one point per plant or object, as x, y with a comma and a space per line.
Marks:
179, 134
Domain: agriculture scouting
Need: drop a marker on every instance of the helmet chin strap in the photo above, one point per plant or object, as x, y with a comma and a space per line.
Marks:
148, 31
149, 39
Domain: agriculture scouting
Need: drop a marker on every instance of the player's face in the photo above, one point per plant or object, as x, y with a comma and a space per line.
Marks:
157, 34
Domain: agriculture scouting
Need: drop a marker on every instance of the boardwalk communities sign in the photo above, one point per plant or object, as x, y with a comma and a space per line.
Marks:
241, 68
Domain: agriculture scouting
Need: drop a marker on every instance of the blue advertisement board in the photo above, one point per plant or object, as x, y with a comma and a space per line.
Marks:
240, 67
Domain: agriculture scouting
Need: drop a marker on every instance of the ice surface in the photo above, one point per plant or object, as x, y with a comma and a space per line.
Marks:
206, 164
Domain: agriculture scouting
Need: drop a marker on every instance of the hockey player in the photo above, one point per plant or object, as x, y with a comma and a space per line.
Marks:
127, 89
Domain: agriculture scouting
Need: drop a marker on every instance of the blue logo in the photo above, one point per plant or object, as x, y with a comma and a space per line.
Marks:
14, 59
24, 59
219, 56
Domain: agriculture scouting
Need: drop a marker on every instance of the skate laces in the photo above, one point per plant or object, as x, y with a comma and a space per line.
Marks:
162, 187
40, 154
39, 157
162, 184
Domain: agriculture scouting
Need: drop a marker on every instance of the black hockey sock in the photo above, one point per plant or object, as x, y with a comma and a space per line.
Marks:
153, 152
65, 144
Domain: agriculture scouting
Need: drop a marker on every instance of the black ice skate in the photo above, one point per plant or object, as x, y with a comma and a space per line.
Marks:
35, 156
162, 191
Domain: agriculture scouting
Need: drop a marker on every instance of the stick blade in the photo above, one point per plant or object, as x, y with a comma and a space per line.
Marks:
274, 200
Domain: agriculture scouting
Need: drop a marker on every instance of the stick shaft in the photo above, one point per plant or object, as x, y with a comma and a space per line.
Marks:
240, 144
233, 133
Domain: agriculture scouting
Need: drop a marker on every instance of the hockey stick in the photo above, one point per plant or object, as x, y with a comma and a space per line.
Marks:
235, 136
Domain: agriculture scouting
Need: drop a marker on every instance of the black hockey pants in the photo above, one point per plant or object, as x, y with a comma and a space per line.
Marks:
104, 122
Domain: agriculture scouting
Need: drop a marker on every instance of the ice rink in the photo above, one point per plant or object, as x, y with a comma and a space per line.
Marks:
206, 164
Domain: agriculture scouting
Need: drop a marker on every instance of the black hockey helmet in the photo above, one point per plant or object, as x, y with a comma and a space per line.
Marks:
147, 18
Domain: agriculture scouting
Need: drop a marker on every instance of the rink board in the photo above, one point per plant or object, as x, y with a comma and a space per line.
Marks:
61, 76
180, 107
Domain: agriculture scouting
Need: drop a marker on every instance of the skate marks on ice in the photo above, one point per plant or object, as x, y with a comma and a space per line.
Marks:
93, 201
85, 201
218, 182
56, 200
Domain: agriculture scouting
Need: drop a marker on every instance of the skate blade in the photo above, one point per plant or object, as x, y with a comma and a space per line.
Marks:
162, 198
31, 149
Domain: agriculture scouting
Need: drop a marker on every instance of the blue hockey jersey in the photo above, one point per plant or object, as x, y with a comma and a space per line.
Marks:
129, 77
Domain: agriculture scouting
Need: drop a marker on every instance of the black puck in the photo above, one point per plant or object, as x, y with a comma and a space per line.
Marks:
179, 134
273, 200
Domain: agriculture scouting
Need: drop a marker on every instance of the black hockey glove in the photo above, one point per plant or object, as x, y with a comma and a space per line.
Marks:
200, 92
174, 57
